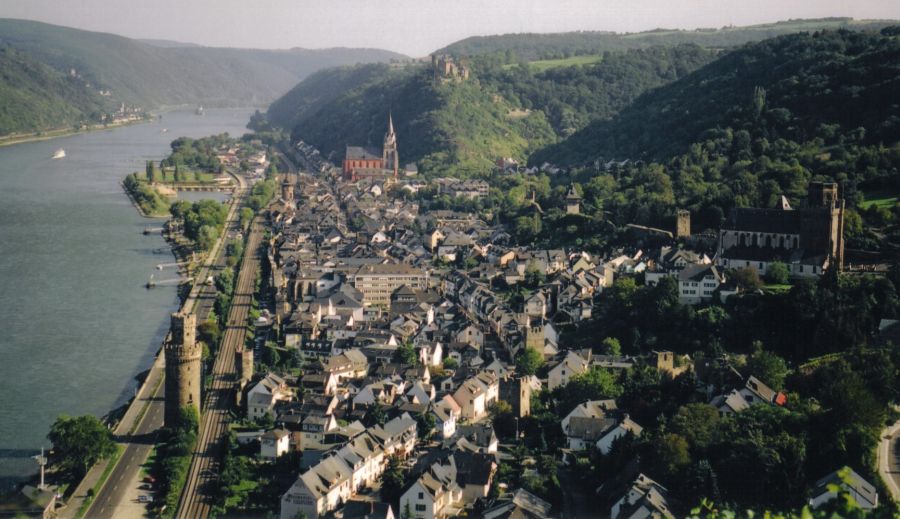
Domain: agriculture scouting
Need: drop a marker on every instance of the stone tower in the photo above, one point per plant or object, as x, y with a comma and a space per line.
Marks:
243, 362
573, 201
534, 336
182, 367
683, 224
389, 159
287, 189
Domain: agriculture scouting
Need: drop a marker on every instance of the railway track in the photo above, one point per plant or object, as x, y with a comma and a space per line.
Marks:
198, 493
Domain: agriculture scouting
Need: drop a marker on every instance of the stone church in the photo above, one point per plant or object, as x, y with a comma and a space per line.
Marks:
809, 239
361, 163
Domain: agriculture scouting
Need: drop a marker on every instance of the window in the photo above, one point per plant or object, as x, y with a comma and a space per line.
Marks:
420, 508
421, 496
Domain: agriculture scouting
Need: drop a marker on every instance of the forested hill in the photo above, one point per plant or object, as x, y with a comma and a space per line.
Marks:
797, 87
541, 46
503, 110
151, 75
34, 96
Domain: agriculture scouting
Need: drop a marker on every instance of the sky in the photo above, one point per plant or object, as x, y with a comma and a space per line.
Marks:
412, 27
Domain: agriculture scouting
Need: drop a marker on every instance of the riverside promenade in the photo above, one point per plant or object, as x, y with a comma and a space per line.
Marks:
136, 431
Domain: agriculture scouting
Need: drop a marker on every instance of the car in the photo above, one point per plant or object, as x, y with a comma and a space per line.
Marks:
146, 486
145, 499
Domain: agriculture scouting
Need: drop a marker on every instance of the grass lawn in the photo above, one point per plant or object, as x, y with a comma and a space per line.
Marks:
547, 64
879, 199
777, 288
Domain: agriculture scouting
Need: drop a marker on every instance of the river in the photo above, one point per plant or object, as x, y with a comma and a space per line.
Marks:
77, 323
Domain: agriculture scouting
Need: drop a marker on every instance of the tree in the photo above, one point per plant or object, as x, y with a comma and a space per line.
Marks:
671, 453
207, 237
406, 354
529, 361
425, 425
246, 217
611, 346
451, 363
179, 209
747, 278
79, 442
767, 367
392, 480
778, 273
697, 422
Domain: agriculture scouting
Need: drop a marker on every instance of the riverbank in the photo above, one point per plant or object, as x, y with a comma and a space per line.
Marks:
9, 140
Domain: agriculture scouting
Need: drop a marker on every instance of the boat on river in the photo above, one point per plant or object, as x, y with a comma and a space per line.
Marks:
60, 153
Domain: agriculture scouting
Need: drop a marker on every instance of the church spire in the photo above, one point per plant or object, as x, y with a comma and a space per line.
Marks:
390, 123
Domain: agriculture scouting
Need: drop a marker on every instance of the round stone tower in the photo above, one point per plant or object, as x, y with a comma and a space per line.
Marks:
183, 368
287, 189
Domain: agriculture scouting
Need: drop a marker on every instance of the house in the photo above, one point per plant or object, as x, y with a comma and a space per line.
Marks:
433, 495
589, 409
697, 282
644, 499
337, 476
563, 371
397, 437
475, 396
521, 504
859, 489
475, 438
445, 412
599, 433
275, 443
359, 509
265, 394
754, 392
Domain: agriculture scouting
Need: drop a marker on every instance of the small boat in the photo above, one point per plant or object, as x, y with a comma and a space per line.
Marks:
164, 130
60, 153
199, 110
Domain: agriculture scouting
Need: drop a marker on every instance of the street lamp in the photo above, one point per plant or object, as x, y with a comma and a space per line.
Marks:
517, 427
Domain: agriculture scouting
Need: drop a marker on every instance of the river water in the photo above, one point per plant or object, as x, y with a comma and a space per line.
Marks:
77, 323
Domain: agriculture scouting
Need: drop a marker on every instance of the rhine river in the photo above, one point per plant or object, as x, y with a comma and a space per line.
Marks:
77, 322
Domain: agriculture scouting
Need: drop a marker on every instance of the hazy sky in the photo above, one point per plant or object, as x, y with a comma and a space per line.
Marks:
413, 27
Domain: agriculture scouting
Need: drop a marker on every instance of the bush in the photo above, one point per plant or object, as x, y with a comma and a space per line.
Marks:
778, 273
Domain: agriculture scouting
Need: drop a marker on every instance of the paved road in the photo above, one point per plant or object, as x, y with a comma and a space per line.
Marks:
137, 448
197, 496
889, 459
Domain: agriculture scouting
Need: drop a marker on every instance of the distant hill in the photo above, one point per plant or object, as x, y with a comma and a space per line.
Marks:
503, 110
531, 46
165, 74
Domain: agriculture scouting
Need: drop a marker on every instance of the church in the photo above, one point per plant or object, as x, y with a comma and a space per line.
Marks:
809, 240
362, 163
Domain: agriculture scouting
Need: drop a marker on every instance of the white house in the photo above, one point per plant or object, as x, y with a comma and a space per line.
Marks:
476, 394
560, 374
445, 412
645, 498
433, 495
589, 409
275, 443
859, 489
265, 394
599, 432
696, 283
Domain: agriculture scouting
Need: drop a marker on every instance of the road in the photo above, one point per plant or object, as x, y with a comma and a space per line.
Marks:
137, 448
889, 459
197, 496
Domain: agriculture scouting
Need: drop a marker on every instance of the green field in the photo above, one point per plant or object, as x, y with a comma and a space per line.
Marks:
879, 199
547, 64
